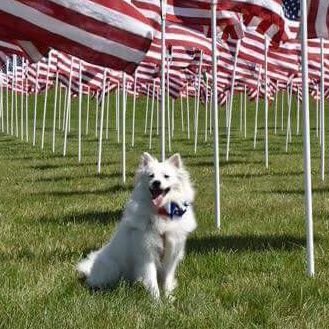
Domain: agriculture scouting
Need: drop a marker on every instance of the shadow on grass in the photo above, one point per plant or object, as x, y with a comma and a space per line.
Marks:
70, 178
264, 174
92, 217
113, 189
222, 163
297, 191
15, 158
46, 166
211, 163
7, 139
238, 243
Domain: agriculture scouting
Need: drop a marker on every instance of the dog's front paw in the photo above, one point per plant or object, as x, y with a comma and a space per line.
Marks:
155, 293
171, 298
170, 286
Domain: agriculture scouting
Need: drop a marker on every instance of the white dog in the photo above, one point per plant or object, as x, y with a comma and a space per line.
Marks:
150, 239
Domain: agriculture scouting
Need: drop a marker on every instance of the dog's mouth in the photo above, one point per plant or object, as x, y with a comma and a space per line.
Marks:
158, 194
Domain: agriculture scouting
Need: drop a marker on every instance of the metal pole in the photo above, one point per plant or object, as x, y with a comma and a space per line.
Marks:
215, 113
322, 111
163, 80
307, 146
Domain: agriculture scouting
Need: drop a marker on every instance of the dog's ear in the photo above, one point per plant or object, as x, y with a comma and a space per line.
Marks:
146, 158
176, 160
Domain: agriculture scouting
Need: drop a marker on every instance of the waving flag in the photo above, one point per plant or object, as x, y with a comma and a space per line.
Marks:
318, 19
108, 33
266, 16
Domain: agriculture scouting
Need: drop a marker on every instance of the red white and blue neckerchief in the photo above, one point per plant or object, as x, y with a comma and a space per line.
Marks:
173, 211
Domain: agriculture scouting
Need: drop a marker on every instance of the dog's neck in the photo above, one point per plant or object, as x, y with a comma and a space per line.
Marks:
173, 211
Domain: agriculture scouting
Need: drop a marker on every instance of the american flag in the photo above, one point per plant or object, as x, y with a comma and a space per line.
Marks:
318, 19
267, 17
108, 33
291, 9
10, 48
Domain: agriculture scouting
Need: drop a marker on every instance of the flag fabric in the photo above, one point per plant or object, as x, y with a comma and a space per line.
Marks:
266, 16
10, 48
108, 33
318, 19
198, 13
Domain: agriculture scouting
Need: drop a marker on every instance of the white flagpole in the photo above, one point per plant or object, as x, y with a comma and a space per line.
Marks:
7, 97
55, 112
100, 140
282, 107
67, 107
307, 146
124, 108
64, 107
206, 114
80, 111
134, 111
245, 111
45, 104
289, 117
257, 106
158, 103
322, 111
227, 102
172, 117
276, 109
210, 114
96, 116
241, 111
298, 111
1, 104
16, 96
147, 108
70, 107
196, 129
118, 114
59, 105
163, 79
35, 105
88, 109
317, 111
188, 113
266, 104
27, 105
151, 119
215, 112
168, 105
22, 101
182, 112
12, 98
107, 113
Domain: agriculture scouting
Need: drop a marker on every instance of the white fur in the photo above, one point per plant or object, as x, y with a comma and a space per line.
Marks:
146, 247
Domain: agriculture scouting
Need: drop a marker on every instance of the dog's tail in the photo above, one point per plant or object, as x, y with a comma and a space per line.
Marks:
85, 266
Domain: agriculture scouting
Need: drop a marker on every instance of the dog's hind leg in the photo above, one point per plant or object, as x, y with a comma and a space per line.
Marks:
101, 272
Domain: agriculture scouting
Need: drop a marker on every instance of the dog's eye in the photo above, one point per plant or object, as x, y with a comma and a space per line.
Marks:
166, 176
151, 175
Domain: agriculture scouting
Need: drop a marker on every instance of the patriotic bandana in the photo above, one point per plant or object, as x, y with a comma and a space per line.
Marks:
173, 211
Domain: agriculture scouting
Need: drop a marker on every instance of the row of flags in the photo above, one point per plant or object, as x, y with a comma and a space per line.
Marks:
184, 70
118, 34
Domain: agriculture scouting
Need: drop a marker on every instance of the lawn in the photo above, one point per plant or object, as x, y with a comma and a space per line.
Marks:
249, 274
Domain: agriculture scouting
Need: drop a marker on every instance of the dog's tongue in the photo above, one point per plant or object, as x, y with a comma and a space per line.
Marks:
158, 201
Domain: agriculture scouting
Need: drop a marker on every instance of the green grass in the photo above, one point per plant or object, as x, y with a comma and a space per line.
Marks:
250, 274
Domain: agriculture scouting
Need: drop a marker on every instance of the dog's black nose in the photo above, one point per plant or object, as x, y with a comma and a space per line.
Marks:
156, 184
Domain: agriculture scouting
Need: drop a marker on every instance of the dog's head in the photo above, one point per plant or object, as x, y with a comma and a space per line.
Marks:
165, 181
